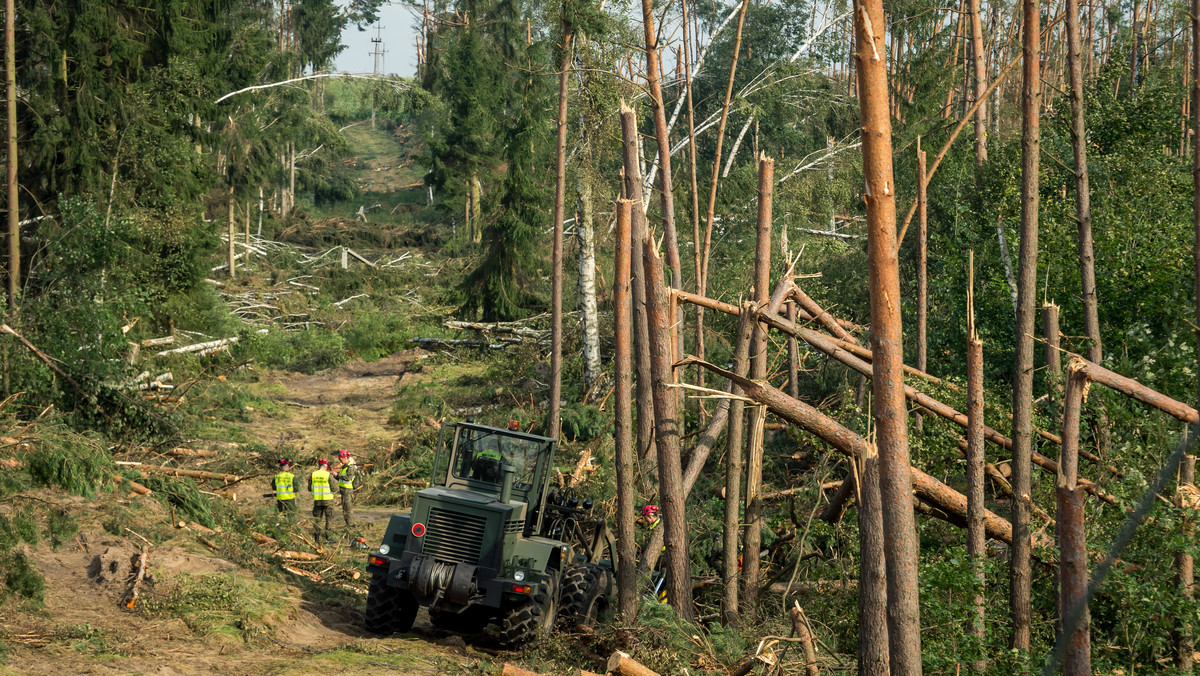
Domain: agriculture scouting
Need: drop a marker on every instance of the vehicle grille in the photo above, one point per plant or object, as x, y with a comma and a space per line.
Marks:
514, 526
453, 537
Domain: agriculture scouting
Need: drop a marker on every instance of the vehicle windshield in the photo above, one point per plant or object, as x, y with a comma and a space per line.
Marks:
482, 453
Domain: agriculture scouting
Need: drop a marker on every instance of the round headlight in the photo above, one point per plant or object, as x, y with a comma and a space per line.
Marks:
519, 575
384, 549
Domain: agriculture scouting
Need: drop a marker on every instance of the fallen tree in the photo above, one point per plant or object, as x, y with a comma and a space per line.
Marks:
928, 489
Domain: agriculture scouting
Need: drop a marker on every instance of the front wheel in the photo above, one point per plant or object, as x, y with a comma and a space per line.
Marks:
584, 595
529, 619
389, 610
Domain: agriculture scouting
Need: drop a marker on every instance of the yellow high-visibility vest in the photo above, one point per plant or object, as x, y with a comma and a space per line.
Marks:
344, 479
285, 488
320, 483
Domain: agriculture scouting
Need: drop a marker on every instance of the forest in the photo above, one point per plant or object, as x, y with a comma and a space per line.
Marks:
890, 307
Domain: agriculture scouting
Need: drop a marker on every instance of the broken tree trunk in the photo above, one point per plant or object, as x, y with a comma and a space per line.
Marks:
622, 411
667, 434
793, 355
137, 581
826, 320
641, 339
752, 538
1053, 356
802, 631
837, 504
976, 460
1072, 540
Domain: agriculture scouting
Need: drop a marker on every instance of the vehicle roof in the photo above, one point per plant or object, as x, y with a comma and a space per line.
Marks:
506, 432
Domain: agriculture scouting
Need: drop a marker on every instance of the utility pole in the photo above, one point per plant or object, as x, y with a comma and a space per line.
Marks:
377, 52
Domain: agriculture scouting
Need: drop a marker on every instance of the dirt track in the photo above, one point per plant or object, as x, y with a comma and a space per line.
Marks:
83, 628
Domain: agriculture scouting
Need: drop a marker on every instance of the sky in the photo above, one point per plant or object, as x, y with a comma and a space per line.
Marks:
398, 40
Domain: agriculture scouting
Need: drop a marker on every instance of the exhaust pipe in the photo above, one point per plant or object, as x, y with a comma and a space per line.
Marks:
506, 483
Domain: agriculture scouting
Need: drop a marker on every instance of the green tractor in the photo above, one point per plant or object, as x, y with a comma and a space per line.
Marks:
490, 542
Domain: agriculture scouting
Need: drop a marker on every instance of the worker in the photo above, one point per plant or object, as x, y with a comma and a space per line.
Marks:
649, 517
320, 485
285, 488
346, 474
486, 464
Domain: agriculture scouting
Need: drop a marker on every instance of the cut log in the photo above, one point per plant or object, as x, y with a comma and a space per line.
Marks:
297, 556
155, 342
203, 529
207, 345
264, 540
176, 471
137, 490
303, 573
513, 670
621, 664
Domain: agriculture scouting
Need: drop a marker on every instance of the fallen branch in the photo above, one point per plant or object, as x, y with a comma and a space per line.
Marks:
137, 581
200, 347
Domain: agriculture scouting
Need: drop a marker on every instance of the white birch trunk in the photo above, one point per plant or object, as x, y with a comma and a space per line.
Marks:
585, 231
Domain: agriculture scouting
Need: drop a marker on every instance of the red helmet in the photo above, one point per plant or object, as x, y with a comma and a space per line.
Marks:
343, 453
650, 510
285, 462
323, 461
514, 425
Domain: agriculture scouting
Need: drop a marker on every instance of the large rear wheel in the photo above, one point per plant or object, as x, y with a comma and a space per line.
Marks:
389, 610
584, 595
529, 619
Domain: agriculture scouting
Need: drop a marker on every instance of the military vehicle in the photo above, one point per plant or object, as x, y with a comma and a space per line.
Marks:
491, 542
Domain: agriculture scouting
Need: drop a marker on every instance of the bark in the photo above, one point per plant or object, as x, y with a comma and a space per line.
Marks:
979, 61
752, 543
586, 231
627, 597
641, 340
922, 259
175, 471
873, 658
802, 631
666, 436
976, 549
13, 204
1022, 429
733, 475
560, 192
890, 413
662, 136
1072, 543
1184, 563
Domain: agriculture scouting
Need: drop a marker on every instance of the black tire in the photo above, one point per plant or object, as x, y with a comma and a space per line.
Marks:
584, 595
469, 621
389, 610
530, 619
